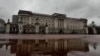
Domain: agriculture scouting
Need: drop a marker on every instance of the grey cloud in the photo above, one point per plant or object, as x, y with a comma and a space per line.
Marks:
73, 8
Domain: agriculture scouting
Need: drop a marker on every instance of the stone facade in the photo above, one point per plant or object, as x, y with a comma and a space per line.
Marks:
29, 22
15, 19
2, 26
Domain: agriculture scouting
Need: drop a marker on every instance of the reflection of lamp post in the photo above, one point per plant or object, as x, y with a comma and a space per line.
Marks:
94, 45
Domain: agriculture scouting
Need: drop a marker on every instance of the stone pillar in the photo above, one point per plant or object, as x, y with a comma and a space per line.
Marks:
93, 27
56, 25
94, 30
37, 28
30, 20
86, 30
20, 25
7, 28
46, 30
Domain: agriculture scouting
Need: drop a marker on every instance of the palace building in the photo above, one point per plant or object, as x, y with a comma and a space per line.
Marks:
29, 22
2, 26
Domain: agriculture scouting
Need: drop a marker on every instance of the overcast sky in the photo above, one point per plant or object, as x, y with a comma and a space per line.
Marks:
89, 9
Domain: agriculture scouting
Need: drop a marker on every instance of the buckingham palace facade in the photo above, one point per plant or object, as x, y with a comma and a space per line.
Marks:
29, 22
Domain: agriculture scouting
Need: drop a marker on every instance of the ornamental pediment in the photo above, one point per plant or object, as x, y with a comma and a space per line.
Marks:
25, 12
59, 15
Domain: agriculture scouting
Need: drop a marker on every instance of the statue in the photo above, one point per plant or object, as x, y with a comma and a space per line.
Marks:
93, 24
8, 20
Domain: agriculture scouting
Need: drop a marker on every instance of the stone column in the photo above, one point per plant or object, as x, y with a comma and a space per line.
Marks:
65, 26
37, 24
20, 28
94, 30
86, 30
93, 27
7, 28
30, 20
56, 25
46, 30
37, 28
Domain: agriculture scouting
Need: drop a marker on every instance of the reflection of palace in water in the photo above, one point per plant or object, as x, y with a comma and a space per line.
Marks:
53, 47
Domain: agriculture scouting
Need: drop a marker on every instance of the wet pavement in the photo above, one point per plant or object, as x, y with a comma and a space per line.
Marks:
92, 40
